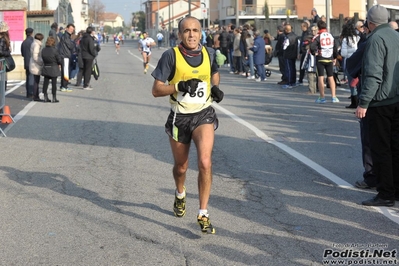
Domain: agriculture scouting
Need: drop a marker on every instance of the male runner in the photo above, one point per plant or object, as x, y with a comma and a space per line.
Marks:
189, 75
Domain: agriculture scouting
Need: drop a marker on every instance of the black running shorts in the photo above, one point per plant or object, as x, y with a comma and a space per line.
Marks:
328, 66
185, 124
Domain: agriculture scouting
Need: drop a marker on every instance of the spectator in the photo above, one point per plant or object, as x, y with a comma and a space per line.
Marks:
226, 42
5, 48
89, 52
26, 54
349, 45
65, 49
244, 53
220, 58
237, 53
172, 38
394, 25
230, 48
36, 64
52, 63
304, 41
209, 38
267, 37
326, 53
379, 98
61, 32
259, 56
290, 54
309, 62
53, 32
250, 42
216, 42
354, 64
80, 59
278, 52
360, 31
314, 17
160, 39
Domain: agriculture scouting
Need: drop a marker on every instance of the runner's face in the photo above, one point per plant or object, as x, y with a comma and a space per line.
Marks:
190, 33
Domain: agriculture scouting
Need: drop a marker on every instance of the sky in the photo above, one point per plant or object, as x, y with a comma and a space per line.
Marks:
123, 7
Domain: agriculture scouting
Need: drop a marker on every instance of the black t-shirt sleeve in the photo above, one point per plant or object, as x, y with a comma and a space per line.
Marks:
165, 66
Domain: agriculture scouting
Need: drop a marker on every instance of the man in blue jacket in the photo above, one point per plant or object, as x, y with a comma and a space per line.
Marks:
380, 99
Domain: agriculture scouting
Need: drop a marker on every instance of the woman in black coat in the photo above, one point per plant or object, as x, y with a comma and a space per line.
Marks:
51, 68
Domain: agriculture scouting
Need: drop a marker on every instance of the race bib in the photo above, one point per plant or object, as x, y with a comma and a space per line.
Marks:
199, 96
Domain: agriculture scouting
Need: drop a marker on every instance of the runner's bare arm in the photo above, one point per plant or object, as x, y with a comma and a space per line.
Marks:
160, 89
215, 79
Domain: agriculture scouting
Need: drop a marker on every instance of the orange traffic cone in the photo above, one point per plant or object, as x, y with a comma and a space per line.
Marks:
6, 118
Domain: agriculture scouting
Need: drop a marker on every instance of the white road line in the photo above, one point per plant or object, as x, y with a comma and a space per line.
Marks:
15, 87
392, 215
21, 113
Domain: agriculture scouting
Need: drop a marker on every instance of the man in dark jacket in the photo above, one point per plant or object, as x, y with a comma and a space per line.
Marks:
65, 48
290, 53
379, 98
26, 54
278, 52
303, 43
353, 66
53, 32
224, 41
88, 52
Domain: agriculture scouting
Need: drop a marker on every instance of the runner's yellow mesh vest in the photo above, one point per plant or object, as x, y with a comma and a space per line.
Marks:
185, 103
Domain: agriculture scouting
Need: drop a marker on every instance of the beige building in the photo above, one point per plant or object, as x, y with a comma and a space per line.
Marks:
112, 19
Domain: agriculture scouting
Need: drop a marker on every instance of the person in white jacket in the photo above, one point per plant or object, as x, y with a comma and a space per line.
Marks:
36, 63
350, 40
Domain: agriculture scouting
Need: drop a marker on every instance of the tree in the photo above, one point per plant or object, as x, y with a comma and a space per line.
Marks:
266, 10
96, 11
138, 20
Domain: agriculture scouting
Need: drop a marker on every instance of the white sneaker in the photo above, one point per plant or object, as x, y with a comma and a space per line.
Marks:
251, 77
257, 80
231, 72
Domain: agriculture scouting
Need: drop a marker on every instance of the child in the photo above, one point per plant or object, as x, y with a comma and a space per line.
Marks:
220, 58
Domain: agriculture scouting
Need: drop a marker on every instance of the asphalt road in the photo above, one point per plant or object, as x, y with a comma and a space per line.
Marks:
87, 181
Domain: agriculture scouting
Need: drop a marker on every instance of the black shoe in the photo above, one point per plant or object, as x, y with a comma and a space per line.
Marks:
377, 201
55, 100
397, 197
363, 185
46, 99
37, 99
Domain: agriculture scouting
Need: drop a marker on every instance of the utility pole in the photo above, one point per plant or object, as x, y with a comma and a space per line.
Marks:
237, 18
203, 16
328, 7
157, 20
189, 7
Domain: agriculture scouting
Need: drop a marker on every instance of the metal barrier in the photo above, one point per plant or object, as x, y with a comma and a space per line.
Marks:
3, 77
